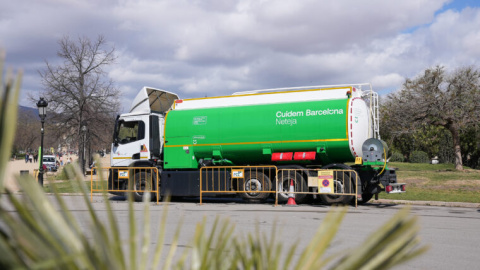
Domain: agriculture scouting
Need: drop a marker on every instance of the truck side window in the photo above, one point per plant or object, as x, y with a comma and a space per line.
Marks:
130, 131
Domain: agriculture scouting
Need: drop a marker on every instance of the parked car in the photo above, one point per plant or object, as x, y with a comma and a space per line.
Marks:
50, 162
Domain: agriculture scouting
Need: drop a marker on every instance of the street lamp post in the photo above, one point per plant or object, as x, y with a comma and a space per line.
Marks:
84, 129
42, 112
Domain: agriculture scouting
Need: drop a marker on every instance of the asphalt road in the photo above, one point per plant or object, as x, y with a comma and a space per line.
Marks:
453, 233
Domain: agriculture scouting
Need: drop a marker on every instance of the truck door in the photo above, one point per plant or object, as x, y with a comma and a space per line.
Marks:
161, 120
130, 141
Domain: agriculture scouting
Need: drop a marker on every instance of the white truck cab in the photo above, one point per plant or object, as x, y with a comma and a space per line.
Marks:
138, 134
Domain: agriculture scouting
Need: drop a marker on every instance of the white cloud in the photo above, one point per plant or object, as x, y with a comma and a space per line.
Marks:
387, 80
215, 47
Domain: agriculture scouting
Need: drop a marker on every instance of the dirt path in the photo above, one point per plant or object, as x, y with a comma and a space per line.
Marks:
14, 167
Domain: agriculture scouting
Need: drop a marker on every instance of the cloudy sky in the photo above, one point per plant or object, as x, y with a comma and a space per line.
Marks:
203, 48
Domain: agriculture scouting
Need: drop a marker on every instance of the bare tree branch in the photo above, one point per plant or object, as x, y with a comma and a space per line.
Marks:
79, 91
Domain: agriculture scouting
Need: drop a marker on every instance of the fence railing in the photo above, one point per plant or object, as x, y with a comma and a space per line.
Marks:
136, 180
250, 182
332, 184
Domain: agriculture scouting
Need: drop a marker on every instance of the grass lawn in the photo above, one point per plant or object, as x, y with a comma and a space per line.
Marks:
440, 182
70, 186
64, 186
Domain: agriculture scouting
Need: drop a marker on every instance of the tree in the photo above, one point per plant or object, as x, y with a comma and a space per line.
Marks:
28, 131
79, 92
439, 99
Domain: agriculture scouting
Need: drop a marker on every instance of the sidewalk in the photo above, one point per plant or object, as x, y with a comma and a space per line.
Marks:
15, 166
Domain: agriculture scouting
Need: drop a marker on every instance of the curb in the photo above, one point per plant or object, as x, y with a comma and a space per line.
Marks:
427, 203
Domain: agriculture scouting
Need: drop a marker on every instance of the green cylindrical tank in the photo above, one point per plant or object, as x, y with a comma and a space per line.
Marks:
251, 134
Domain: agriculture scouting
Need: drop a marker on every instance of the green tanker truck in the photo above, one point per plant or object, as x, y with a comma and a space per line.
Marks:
304, 128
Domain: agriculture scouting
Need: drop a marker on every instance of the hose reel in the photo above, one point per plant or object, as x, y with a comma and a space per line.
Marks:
374, 150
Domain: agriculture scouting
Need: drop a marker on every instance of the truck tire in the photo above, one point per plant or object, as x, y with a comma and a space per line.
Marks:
342, 184
254, 181
284, 186
143, 180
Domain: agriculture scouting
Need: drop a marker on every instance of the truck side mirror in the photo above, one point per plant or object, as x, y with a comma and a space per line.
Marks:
115, 139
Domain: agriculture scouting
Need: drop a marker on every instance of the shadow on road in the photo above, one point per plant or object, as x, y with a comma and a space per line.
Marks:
381, 205
233, 200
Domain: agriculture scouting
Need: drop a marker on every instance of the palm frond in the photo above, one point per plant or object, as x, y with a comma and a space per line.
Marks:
9, 92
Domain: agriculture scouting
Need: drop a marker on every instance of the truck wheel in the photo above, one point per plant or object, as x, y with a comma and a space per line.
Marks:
143, 181
254, 181
342, 184
284, 186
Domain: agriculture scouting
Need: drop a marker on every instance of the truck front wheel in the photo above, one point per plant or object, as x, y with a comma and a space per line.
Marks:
143, 181
252, 184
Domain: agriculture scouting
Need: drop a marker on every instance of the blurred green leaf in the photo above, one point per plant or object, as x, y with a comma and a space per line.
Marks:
10, 89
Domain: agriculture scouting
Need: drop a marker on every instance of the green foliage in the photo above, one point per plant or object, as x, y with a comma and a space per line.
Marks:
430, 104
20, 156
419, 157
397, 157
470, 143
435, 141
9, 91
445, 151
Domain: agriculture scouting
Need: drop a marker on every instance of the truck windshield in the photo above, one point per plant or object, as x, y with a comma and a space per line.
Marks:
130, 131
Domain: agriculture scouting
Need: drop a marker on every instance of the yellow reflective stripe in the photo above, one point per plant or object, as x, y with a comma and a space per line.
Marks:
244, 143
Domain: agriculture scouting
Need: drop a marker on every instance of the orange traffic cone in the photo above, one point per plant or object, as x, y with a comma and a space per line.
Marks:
291, 196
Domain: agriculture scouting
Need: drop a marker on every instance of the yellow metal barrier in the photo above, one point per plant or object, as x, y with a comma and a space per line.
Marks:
253, 183
329, 183
136, 180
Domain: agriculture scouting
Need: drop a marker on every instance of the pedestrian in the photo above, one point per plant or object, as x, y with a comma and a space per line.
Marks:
35, 158
26, 158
